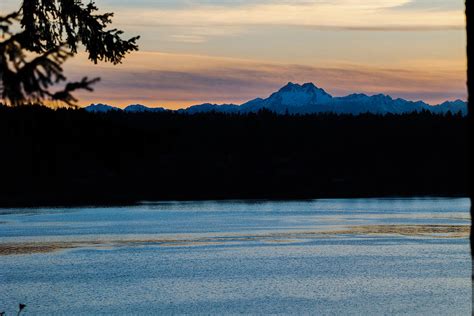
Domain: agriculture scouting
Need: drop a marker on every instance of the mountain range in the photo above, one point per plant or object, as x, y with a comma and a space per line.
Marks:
307, 99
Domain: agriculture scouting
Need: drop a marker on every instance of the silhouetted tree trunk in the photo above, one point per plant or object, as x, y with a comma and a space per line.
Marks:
470, 88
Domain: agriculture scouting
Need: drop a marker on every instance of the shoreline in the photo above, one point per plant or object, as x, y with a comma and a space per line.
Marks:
136, 202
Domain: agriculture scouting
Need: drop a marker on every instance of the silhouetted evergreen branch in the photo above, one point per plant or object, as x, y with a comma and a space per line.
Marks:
52, 30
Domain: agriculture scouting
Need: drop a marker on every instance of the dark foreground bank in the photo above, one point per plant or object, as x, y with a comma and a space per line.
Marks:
71, 157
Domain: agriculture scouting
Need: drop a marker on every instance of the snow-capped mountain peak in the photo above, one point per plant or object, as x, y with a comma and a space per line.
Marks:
296, 95
290, 97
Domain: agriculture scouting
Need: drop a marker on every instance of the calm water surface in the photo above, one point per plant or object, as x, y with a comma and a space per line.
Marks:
238, 257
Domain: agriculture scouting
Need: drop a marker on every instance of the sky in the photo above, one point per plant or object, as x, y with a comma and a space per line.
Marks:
232, 51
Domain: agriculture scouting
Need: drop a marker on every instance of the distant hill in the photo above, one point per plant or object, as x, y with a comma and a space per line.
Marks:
101, 108
134, 108
208, 107
138, 108
308, 99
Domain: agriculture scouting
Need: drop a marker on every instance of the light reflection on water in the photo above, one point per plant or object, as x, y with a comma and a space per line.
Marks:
340, 274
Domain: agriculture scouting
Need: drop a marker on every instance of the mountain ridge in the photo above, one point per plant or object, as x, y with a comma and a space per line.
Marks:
307, 98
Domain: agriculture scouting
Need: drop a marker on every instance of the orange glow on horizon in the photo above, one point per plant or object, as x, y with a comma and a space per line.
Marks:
180, 80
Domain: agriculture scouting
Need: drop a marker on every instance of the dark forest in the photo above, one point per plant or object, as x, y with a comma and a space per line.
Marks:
72, 157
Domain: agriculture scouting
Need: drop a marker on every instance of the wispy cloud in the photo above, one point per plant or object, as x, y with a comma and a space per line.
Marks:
191, 38
431, 5
349, 14
201, 34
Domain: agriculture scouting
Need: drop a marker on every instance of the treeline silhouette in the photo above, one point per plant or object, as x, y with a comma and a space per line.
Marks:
71, 157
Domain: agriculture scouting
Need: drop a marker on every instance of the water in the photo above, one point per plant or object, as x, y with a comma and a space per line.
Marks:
239, 257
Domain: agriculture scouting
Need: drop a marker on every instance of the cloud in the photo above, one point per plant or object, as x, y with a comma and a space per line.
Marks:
185, 4
342, 14
174, 81
431, 5
198, 34
324, 14
188, 38
207, 22
181, 19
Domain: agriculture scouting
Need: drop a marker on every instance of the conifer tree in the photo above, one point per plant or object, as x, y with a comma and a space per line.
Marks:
37, 39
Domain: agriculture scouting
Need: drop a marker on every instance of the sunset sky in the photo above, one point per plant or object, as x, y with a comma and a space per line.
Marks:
231, 51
